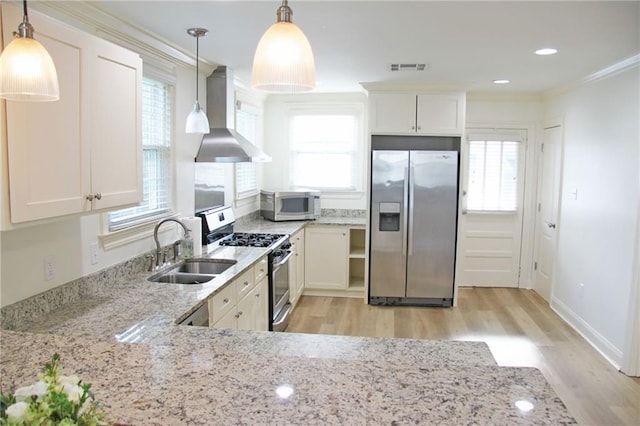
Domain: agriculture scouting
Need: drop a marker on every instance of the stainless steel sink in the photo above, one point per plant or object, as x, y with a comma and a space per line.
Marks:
205, 266
182, 278
193, 271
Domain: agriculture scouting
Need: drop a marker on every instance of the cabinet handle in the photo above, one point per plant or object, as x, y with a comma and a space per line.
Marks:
237, 315
413, 127
225, 300
257, 295
246, 283
98, 196
89, 197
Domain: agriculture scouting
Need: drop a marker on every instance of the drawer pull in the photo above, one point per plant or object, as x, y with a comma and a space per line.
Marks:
226, 300
246, 283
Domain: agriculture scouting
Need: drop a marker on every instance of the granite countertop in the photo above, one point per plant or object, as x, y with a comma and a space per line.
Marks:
146, 369
182, 383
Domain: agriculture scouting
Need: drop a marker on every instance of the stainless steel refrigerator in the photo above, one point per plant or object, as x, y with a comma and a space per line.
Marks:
414, 210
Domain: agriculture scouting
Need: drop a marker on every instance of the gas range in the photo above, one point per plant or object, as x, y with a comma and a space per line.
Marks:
217, 230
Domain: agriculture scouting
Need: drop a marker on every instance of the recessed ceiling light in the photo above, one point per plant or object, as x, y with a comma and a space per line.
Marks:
546, 51
501, 81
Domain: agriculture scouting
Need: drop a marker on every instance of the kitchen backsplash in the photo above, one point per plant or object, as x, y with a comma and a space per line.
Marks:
41, 304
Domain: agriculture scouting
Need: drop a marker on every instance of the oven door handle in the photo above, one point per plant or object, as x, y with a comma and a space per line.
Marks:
283, 261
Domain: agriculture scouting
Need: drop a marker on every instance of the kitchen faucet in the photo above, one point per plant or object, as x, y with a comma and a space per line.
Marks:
155, 236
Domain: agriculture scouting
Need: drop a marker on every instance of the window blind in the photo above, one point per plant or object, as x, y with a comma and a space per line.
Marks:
324, 147
493, 174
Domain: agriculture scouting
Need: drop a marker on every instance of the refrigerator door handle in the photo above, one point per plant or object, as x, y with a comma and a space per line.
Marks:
405, 213
411, 208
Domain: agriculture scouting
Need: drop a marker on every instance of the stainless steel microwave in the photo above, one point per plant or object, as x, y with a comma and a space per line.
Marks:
289, 205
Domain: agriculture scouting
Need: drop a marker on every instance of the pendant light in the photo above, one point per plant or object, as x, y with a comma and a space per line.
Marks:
197, 121
283, 61
27, 72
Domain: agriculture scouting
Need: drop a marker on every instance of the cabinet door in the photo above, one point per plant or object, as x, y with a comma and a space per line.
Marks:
261, 308
326, 257
114, 130
229, 320
48, 165
441, 114
246, 312
392, 113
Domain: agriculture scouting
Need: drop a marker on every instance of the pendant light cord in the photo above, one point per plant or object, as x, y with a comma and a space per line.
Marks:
24, 8
197, 65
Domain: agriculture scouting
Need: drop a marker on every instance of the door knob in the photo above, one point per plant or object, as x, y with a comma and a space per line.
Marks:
551, 225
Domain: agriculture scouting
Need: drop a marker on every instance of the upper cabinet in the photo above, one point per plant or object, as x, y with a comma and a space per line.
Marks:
437, 113
83, 152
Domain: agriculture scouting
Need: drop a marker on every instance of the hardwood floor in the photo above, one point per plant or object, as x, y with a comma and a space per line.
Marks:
518, 326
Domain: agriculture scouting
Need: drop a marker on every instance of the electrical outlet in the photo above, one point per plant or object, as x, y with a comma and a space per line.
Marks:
49, 268
93, 253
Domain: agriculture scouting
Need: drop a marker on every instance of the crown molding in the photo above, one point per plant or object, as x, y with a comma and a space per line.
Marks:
87, 16
618, 67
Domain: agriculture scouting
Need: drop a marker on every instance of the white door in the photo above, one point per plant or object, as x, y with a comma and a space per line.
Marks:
490, 226
548, 201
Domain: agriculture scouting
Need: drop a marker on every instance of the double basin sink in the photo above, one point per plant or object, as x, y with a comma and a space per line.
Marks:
193, 271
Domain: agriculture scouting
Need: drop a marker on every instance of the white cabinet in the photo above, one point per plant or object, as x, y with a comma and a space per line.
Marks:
243, 303
326, 257
83, 152
296, 265
421, 113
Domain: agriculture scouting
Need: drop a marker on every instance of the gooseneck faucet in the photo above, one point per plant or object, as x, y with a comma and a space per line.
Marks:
155, 235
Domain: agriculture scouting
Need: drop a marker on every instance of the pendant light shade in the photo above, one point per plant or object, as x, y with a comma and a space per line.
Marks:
27, 72
197, 121
283, 61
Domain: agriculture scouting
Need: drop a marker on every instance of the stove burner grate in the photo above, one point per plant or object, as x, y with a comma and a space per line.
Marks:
251, 240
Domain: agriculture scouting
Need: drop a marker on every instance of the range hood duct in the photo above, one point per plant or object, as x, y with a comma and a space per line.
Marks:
223, 144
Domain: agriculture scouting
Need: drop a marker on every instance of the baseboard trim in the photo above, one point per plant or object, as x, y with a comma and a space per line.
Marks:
612, 354
356, 294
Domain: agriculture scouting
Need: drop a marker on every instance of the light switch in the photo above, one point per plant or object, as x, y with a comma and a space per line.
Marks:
574, 194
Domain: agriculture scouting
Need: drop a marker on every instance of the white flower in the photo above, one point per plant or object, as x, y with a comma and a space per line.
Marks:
17, 411
74, 392
73, 379
24, 394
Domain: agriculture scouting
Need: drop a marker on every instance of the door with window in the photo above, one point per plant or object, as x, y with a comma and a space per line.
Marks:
490, 228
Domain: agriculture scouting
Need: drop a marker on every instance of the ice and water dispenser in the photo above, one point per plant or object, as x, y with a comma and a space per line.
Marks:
389, 219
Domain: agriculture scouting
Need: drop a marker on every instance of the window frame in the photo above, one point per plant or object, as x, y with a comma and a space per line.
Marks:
139, 229
243, 103
357, 153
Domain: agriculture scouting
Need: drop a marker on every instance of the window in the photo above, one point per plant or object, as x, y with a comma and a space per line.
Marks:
247, 124
493, 173
157, 113
324, 144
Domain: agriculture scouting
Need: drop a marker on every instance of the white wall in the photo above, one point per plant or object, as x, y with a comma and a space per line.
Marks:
276, 143
597, 231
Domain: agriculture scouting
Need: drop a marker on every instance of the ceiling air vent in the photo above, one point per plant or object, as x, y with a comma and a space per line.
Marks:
408, 67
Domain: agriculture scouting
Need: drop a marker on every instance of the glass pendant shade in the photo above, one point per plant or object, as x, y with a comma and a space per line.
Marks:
283, 61
197, 121
27, 72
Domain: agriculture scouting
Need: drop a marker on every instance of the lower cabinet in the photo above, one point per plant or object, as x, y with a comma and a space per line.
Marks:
334, 261
243, 304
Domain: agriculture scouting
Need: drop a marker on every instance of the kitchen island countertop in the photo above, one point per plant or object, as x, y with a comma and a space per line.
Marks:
146, 369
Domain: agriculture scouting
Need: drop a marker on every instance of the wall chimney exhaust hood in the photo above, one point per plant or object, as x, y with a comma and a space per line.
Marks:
223, 144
